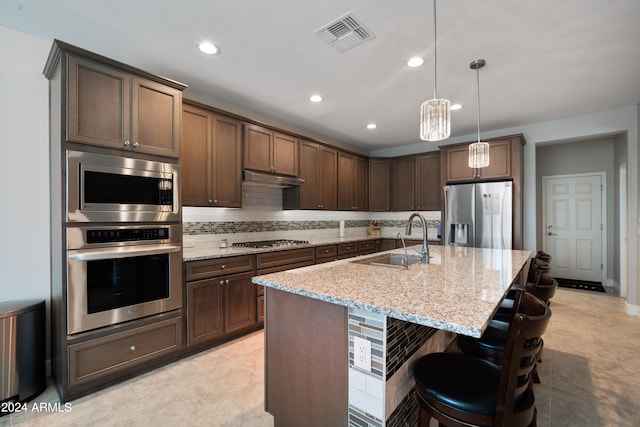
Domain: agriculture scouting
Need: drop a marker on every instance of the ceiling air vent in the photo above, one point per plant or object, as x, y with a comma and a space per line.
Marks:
345, 33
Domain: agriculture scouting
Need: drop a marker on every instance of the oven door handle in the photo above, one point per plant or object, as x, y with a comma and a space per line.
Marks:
121, 252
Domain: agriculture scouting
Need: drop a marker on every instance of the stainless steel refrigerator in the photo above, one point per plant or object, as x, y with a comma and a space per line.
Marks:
479, 215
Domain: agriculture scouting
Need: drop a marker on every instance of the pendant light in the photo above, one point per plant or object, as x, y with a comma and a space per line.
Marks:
435, 114
478, 151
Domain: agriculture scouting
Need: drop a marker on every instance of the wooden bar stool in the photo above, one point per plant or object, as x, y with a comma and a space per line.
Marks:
464, 390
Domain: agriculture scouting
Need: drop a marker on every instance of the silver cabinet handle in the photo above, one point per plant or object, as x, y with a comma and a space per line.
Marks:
132, 348
135, 144
127, 143
552, 234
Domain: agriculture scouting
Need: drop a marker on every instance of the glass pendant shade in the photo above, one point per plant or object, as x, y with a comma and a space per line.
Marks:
479, 155
435, 120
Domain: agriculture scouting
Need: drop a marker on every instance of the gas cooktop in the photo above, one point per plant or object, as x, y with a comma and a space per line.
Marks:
270, 243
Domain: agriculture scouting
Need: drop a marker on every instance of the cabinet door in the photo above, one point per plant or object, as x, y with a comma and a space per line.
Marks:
499, 160
258, 146
239, 302
379, 185
309, 154
327, 178
226, 173
360, 184
98, 104
155, 118
285, 154
204, 317
403, 184
346, 164
196, 156
428, 191
457, 164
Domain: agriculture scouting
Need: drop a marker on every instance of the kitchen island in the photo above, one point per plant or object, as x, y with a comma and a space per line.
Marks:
340, 337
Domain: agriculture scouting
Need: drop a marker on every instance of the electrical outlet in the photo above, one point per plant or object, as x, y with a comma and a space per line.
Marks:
362, 353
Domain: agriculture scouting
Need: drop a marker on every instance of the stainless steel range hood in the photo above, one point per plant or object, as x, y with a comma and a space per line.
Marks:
270, 181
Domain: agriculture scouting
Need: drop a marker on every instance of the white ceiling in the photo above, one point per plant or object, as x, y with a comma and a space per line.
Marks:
546, 59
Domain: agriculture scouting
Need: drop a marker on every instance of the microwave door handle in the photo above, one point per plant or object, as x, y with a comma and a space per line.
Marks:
121, 252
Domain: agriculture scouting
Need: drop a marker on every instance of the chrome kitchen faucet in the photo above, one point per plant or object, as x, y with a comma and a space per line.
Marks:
424, 252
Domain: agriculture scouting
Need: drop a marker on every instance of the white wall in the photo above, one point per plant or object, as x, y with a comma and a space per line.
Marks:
24, 165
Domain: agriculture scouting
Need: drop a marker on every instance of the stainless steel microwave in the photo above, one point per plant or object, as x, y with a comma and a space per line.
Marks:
104, 188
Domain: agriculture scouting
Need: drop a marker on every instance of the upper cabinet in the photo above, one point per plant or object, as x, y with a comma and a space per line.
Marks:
211, 158
319, 169
428, 189
379, 174
112, 107
505, 161
403, 180
269, 151
352, 182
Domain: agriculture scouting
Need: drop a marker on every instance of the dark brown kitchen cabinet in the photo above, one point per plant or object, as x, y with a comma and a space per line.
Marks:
326, 253
427, 185
211, 158
379, 174
113, 108
504, 160
221, 299
403, 179
319, 169
269, 151
352, 182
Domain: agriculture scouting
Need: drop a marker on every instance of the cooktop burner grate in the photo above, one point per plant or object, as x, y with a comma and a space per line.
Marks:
270, 243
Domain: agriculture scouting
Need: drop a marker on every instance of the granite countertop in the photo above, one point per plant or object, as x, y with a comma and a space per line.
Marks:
200, 252
458, 291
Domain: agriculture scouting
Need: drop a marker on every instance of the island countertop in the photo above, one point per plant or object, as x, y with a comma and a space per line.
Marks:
458, 291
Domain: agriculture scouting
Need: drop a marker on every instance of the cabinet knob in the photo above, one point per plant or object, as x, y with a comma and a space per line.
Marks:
215, 200
132, 348
226, 282
223, 266
221, 282
135, 144
127, 143
210, 201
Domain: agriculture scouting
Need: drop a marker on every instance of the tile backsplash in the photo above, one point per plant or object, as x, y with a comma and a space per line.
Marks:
261, 215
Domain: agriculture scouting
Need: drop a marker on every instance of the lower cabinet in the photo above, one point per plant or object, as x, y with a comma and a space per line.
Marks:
106, 356
222, 304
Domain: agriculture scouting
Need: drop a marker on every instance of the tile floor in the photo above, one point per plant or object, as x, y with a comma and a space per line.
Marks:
590, 376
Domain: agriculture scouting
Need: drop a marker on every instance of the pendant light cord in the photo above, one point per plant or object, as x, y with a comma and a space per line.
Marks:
478, 85
435, 51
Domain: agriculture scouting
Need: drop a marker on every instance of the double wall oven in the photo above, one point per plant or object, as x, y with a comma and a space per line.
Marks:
124, 239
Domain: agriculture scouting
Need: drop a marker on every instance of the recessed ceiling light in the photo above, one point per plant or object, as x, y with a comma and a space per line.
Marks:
372, 126
209, 48
416, 61
455, 107
315, 98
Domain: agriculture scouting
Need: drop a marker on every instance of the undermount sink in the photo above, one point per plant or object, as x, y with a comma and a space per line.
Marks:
393, 260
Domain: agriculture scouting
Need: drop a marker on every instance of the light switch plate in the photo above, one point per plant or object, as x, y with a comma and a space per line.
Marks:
362, 353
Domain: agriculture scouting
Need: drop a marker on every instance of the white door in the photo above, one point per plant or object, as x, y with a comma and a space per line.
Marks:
573, 226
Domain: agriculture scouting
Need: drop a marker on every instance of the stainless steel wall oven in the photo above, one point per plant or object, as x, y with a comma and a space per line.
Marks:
121, 273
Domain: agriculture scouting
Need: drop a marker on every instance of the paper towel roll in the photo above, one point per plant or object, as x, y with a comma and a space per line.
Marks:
341, 228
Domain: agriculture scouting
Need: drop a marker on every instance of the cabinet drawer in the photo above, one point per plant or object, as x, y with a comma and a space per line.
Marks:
299, 257
367, 247
205, 269
346, 250
97, 358
326, 251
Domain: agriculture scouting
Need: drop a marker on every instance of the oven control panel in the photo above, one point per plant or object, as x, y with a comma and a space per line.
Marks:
126, 235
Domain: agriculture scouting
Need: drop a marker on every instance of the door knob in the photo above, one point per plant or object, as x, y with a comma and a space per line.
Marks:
552, 234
